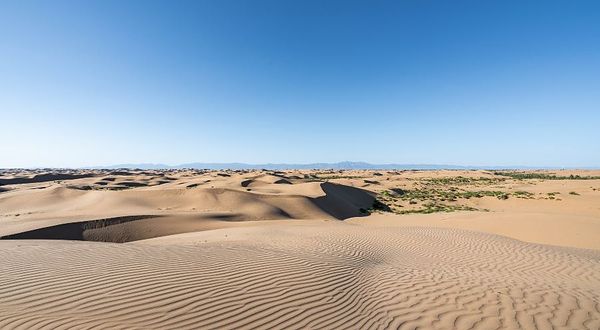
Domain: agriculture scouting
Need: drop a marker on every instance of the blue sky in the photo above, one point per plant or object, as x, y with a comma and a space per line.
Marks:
446, 82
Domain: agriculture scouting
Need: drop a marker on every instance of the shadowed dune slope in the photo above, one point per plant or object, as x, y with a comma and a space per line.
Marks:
131, 228
344, 202
334, 276
105, 230
45, 177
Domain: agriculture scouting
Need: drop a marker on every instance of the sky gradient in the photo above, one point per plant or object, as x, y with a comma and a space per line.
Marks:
86, 83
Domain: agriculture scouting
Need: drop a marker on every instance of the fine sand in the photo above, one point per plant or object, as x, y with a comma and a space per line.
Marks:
298, 249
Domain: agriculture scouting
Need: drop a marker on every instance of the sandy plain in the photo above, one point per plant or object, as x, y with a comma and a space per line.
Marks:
139, 249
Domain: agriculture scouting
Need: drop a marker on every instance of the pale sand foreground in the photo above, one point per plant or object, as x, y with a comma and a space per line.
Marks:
283, 259
316, 276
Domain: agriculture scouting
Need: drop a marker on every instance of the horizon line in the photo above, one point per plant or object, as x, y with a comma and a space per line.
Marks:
344, 165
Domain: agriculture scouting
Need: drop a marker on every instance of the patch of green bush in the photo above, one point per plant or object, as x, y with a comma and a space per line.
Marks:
543, 176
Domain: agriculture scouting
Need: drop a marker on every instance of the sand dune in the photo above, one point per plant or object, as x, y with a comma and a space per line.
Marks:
298, 249
206, 196
40, 208
322, 277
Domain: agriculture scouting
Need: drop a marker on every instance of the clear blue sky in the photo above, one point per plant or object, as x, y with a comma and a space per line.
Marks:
446, 82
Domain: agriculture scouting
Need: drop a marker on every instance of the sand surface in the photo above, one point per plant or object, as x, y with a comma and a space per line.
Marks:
298, 249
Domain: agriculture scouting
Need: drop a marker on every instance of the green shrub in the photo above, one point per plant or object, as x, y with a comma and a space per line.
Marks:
543, 176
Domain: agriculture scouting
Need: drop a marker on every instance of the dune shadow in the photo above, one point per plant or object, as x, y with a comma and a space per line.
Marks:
44, 178
344, 202
127, 228
398, 191
75, 230
133, 184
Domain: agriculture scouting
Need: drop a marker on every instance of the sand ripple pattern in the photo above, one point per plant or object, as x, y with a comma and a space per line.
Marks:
336, 277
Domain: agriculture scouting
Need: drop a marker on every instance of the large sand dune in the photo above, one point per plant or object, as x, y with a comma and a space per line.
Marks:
297, 249
326, 276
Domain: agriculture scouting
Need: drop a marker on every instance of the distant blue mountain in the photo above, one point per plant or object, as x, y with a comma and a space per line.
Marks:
316, 166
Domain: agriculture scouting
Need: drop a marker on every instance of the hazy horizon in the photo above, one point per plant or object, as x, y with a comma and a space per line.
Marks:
467, 83
345, 165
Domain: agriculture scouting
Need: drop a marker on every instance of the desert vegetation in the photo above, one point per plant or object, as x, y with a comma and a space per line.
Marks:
544, 176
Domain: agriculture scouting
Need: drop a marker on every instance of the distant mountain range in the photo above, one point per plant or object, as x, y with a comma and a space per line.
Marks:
316, 166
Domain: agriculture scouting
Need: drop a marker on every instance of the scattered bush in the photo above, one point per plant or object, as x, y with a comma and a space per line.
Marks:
543, 176
523, 194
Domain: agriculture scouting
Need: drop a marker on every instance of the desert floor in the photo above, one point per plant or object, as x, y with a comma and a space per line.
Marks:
299, 249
